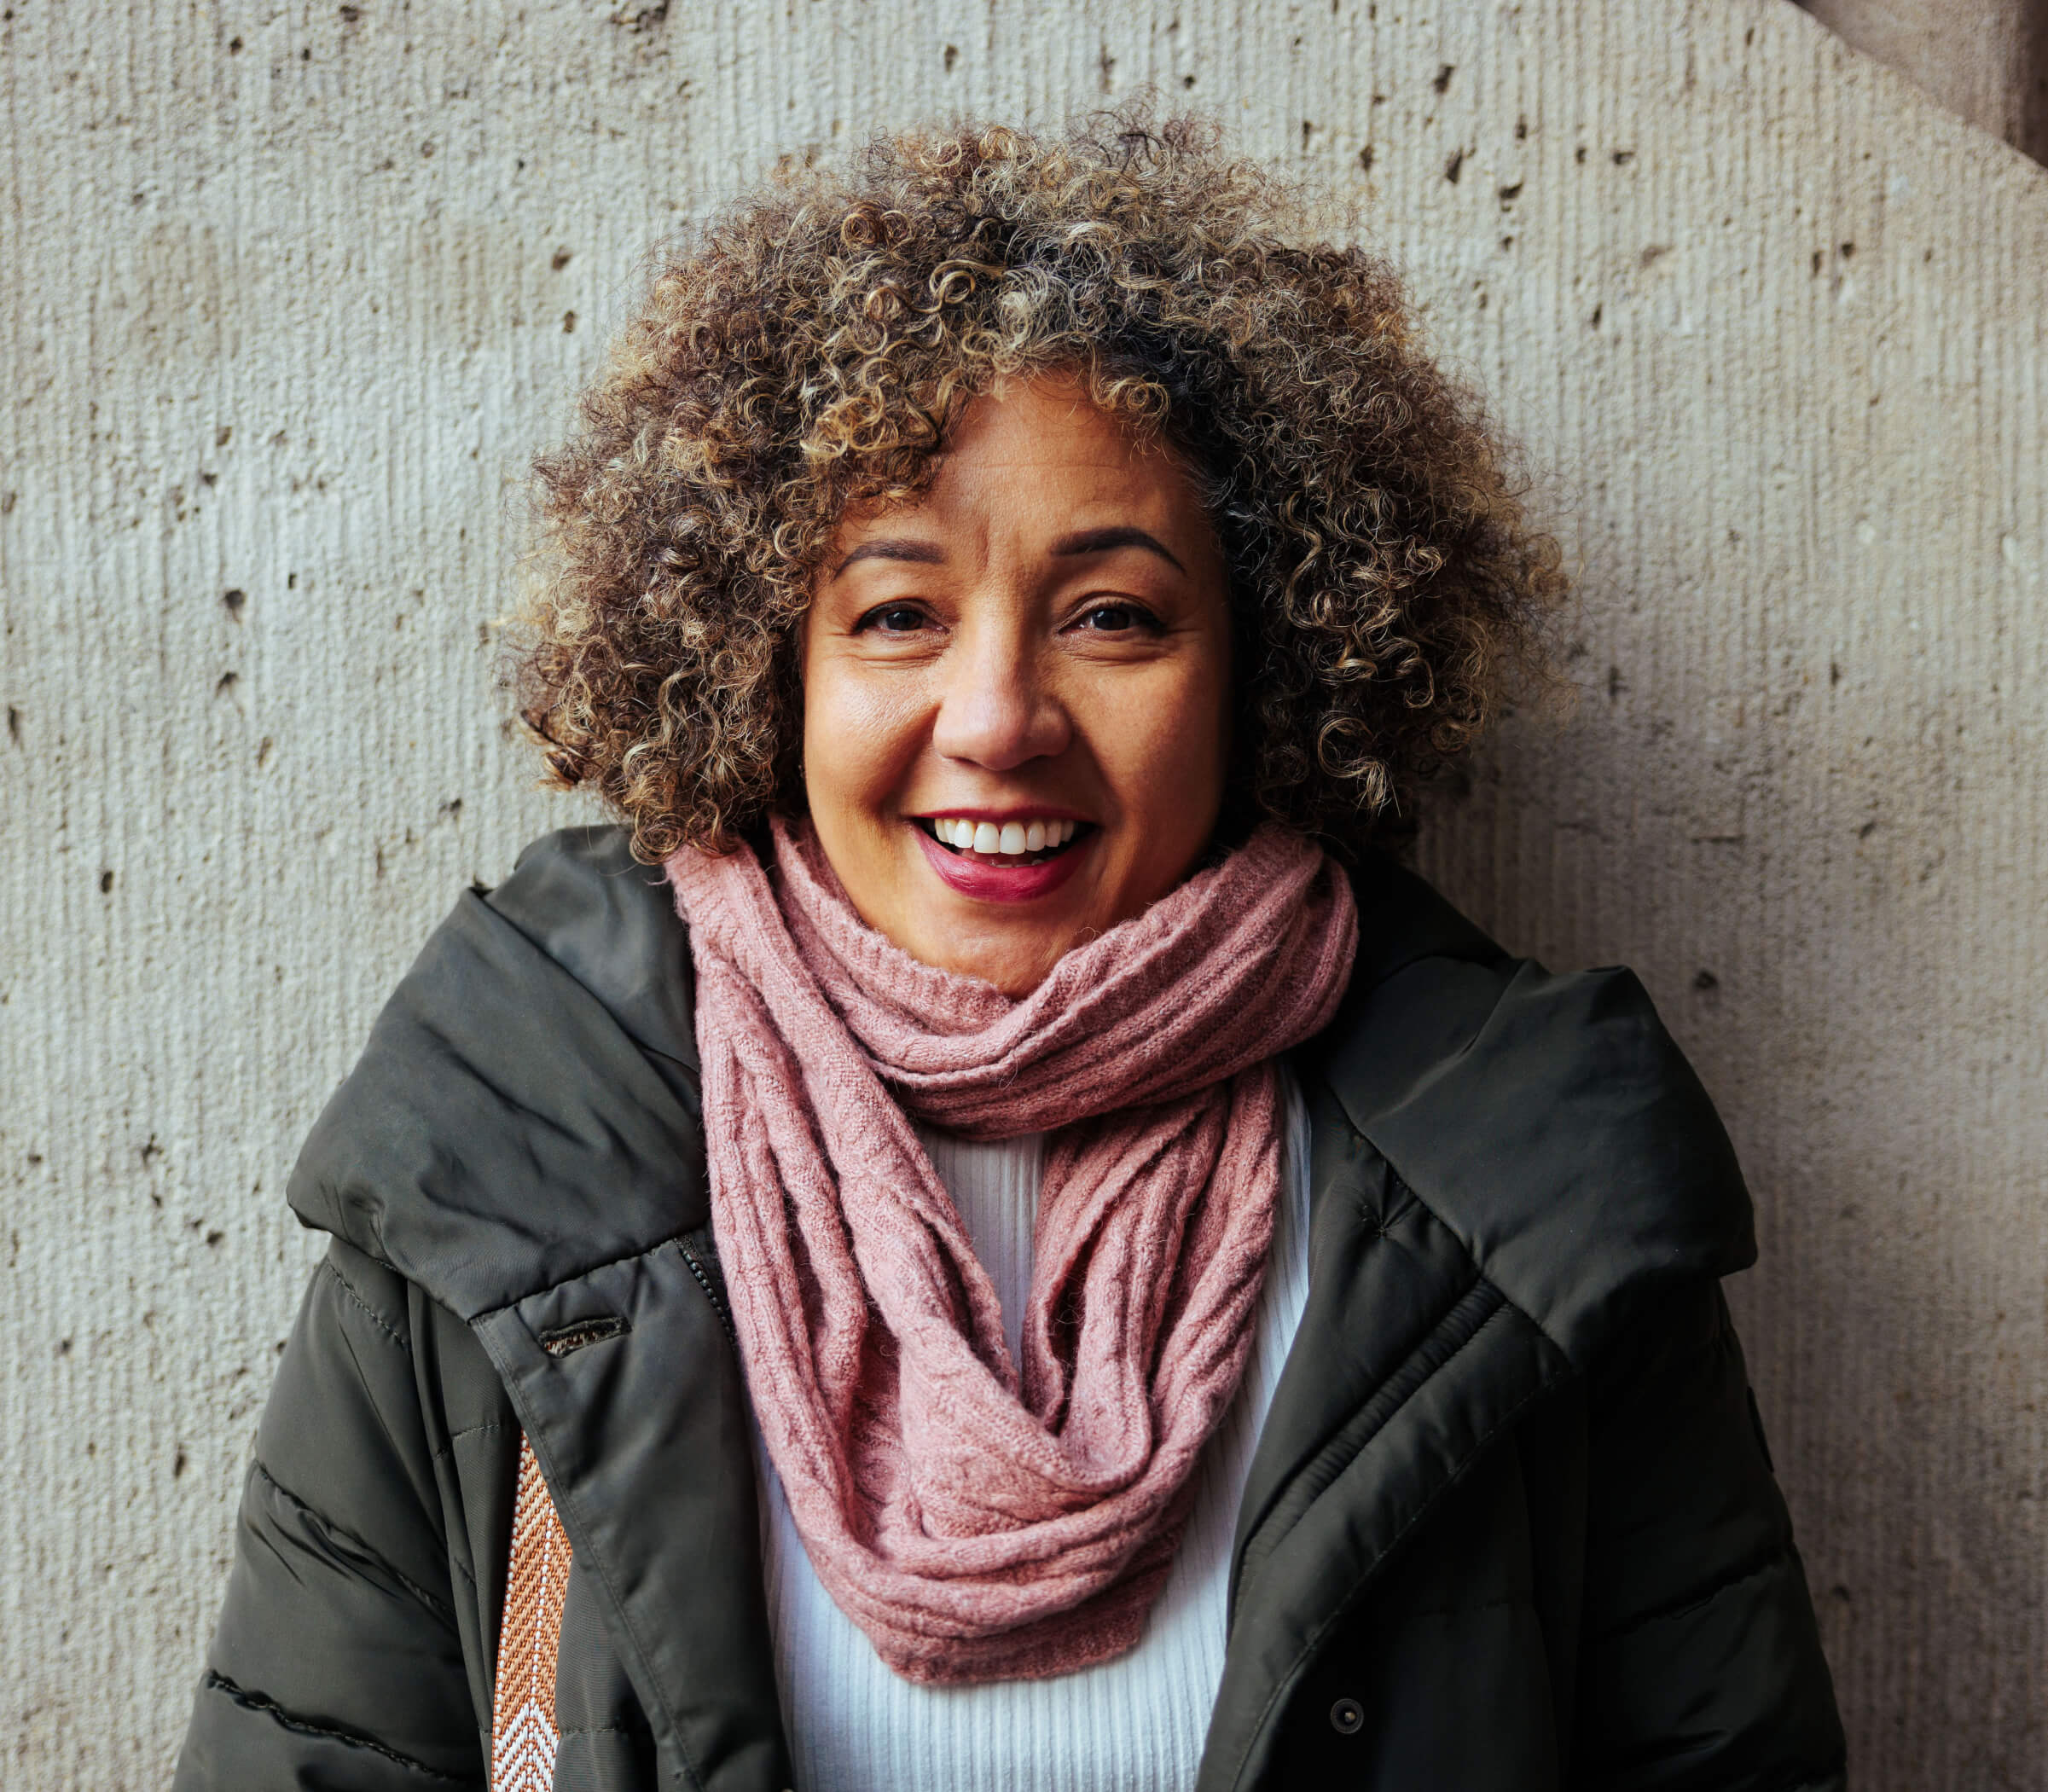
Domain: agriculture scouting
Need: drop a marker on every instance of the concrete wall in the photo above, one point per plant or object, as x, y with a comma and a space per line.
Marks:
290, 292
1986, 59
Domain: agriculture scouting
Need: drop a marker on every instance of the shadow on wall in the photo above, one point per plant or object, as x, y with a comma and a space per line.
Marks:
1894, 1325
1988, 61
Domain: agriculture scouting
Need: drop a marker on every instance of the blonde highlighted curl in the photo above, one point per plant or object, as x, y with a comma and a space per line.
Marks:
810, 348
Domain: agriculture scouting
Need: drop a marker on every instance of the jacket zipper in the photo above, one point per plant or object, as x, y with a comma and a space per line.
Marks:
703, 1259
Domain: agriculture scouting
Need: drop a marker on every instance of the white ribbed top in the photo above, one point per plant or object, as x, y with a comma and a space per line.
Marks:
1133, 1724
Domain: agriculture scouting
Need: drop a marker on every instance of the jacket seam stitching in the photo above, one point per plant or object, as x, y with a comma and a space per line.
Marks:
488, 1425
673, 1241
1324, 1456
425, 1596
213, 1681
368, 1311
1779, 1552
1481, 1269
1479, 1266
1344, 1606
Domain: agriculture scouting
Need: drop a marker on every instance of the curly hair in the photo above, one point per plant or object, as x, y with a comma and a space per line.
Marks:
809, 349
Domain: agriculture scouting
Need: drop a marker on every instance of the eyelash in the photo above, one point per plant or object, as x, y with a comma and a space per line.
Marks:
874, 616
1142, 618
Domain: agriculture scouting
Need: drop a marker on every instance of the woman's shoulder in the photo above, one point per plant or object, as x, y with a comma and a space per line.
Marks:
525, 1105
581, 898
1549, 1119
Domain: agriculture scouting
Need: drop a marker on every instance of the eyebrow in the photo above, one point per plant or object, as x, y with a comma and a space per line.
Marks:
1084, 541
922, 553
1102, 541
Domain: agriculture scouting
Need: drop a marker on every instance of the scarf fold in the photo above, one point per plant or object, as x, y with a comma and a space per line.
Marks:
980, 1518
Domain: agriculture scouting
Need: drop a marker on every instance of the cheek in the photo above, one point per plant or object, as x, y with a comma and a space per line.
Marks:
860, 737
1164, 748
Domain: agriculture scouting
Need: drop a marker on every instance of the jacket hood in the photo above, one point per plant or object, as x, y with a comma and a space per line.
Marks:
527, 1108
1548, 1119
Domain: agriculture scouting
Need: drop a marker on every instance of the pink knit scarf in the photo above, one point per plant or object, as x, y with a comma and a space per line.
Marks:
980, 1522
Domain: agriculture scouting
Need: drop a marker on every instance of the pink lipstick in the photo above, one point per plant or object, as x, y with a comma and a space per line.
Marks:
986, 878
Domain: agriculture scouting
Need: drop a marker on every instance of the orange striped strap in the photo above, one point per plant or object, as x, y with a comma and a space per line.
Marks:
524, 1736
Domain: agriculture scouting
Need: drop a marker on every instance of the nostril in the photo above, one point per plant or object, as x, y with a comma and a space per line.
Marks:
999, 722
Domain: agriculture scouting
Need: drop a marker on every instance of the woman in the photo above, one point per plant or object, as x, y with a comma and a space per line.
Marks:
1028, 1253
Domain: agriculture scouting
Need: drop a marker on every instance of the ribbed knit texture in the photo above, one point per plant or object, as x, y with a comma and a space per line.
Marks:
980, 1515
1133, 1724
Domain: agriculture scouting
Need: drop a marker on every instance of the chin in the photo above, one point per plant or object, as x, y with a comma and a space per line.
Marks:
1015, 965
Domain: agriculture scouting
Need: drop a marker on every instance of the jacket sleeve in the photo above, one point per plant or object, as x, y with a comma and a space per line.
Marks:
1702, 1665
338, 1661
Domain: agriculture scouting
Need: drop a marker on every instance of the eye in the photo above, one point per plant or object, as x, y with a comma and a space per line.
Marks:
1115, 619
891, 619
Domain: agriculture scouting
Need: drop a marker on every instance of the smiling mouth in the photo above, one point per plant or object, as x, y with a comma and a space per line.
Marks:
1007, 843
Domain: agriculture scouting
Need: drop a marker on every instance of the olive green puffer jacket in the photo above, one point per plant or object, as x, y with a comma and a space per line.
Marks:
1511, 1522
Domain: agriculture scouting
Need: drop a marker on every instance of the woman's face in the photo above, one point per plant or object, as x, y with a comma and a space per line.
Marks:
1016, 690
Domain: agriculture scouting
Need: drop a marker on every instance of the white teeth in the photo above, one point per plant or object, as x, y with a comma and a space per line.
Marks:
1010, 838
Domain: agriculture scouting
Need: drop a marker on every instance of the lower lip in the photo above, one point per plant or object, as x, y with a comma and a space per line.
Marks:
999, 882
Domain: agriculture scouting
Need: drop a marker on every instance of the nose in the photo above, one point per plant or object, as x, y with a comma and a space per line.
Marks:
997, 710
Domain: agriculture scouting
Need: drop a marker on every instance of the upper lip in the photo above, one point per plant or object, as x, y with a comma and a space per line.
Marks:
967, 812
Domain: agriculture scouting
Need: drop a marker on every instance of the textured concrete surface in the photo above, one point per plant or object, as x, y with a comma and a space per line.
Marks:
1987, 59
289, 294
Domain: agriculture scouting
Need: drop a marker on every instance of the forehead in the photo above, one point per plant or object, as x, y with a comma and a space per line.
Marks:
1040, 451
